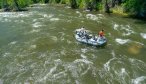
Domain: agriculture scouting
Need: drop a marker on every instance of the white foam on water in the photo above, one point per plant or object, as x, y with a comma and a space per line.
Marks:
86, 10
40, 4
84, 50
32, 46
60, 75
80, 14
123, 70
107, 64
67, 7
34, 20
58, 62
42, 54
49, 74
41, 19
7, 20
92, 17
15, 14
143, 35
7, 14
113, 53
61, 15
46, 63
62, 36
77, 12
16, 21
54, 19
21, 21
83, 56
77, 82
6, 54
138, 80
139, 43
27, 83
54, 38
109, 34
121, 41
73, 70
36, 24
101, 16
12, 43
69, 21
83, 60
69, 42
45, 15
128, 30
35, 30
116, 26
63, 52
1, 81
50, 15
23, 14
79, 67
123, 73
137, 62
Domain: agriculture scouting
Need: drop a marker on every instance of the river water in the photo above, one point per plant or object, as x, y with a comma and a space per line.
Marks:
38, 47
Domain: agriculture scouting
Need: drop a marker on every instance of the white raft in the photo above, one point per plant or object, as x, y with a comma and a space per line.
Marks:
84, 37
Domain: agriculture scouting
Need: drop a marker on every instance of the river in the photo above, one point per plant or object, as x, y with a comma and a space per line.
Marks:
38, 47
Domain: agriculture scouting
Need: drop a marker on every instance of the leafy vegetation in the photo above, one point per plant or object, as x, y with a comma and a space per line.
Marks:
132, 7
135, 7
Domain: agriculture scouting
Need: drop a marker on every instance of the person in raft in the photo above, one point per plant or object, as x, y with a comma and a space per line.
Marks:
83, 31
101, 33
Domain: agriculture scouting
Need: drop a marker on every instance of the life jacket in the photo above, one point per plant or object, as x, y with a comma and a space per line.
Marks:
101, 33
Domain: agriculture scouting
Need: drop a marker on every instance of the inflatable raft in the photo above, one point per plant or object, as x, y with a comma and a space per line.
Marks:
84, 37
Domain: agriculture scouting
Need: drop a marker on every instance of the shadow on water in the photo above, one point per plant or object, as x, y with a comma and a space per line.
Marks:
136, 20
140, 21
104, 46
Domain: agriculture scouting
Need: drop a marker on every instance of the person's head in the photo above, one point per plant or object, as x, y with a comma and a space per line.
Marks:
82, 28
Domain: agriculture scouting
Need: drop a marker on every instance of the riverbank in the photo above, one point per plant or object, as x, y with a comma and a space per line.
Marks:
13, 10
118, 10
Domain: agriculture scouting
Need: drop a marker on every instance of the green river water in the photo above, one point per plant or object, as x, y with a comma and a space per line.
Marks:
38, 47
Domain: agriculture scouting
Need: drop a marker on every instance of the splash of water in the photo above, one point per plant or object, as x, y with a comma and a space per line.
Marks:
121, 41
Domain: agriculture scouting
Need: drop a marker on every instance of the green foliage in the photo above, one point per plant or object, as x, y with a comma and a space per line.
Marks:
74, 4
24, 3
46, 1
57, 1
132, 7
99, 6
52, 1
3, 3
94, 4
0, 4
81, 3
136, 7
35, 1
65, 1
